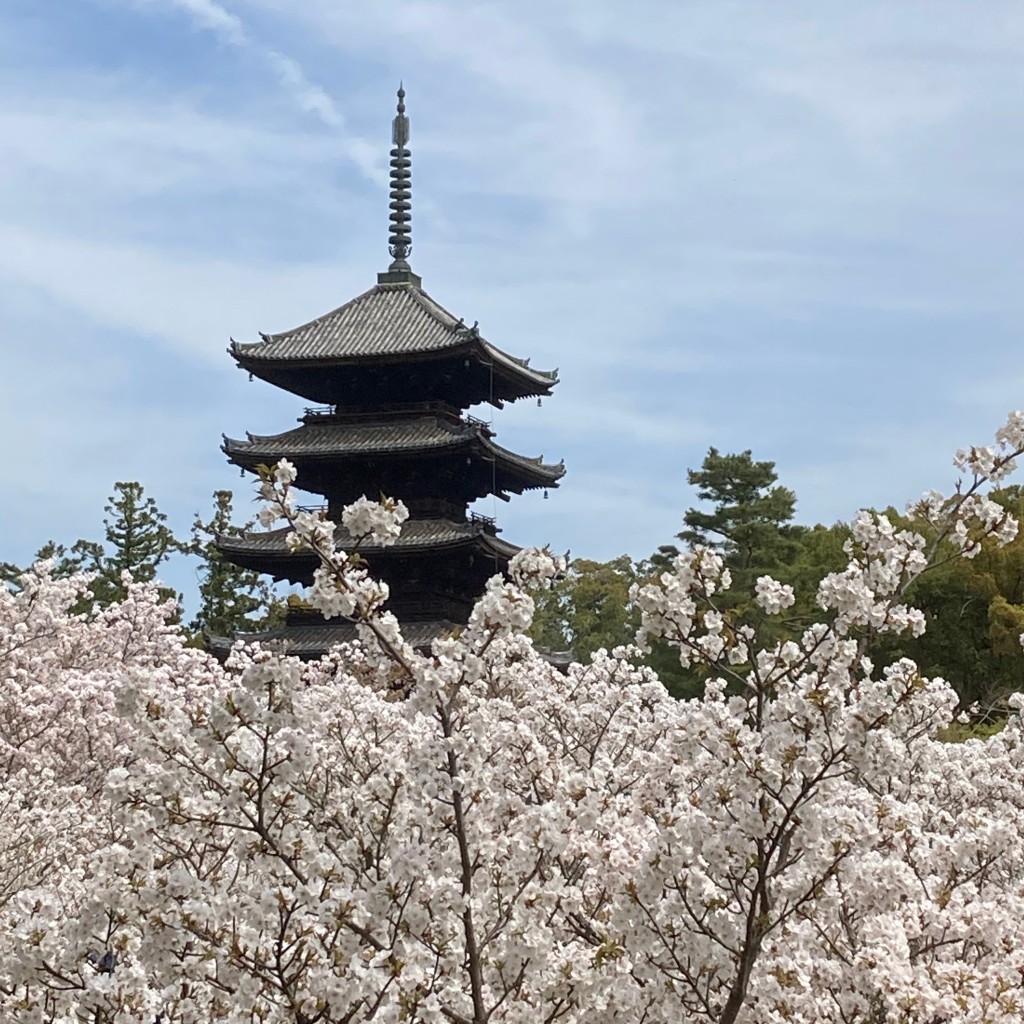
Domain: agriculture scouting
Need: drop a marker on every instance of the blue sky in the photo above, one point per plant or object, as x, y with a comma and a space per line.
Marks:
790, 227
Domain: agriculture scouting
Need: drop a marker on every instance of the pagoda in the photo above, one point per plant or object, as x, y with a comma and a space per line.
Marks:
392, 374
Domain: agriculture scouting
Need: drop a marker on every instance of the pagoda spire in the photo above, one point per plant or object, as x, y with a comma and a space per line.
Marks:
400, 226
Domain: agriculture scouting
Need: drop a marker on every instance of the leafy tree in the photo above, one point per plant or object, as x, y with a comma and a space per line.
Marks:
818, 550
232, 599
588, 608
975, 615
65, 562
137, 541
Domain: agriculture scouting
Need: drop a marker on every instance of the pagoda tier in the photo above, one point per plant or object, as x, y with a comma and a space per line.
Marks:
414, 459
396, 344
472, 542
434, 570
308, 636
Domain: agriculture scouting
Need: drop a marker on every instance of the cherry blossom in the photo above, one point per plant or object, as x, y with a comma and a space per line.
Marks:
466, 834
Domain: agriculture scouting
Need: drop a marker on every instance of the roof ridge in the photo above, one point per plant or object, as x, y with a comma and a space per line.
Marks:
431, 306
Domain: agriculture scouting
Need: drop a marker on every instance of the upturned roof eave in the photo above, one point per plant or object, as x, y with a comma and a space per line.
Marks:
547, 472
518, 367
482, 543
530, 381
417, 534
457, 337
465, 435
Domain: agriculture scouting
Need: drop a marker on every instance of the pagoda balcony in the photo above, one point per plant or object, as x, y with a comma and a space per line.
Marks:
390, 411
427, 609
489, 523
419, 607
427, 509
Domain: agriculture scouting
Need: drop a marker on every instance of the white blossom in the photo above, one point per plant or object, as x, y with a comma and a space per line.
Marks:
468, 834
772, 595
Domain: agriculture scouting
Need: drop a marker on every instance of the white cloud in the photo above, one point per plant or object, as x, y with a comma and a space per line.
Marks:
311, 97
192, 305
212, 16
580, 141
119, 148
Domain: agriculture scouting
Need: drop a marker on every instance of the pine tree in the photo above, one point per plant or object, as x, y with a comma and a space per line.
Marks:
233, 599
137, 541
750, 521
750, 526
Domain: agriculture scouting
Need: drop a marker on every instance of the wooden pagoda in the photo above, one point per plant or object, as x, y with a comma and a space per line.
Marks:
392, 373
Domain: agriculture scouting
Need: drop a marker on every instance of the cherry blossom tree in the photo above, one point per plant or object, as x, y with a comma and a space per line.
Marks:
467, 835
61, 733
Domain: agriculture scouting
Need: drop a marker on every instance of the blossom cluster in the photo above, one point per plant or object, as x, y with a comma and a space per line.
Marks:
466, 834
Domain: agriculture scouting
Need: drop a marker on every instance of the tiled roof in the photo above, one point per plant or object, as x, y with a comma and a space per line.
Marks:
387, 320
416, 533
409, 436
313, 641
310, 641
352, 438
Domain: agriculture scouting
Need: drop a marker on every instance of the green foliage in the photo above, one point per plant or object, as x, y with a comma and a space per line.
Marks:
137, 541
750, 526
818, 551
232, 599
588, 608
958, 732
974, 609
749, 523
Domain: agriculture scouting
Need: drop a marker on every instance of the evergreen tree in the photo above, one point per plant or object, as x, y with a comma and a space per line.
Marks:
232, 599
137, 541
750, 526
975, 614
750, 523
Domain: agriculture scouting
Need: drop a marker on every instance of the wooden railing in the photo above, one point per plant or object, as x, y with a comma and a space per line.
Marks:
386, 411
